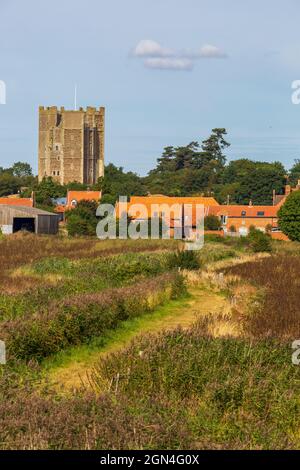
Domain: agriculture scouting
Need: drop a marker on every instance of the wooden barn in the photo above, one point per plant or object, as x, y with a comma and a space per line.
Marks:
17, 218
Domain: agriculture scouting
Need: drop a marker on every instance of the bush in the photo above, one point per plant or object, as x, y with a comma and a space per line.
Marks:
212, 222
259, 242
289, 216
82, 219
187, 259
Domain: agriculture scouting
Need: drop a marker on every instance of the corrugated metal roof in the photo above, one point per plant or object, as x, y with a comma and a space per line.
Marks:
27, 210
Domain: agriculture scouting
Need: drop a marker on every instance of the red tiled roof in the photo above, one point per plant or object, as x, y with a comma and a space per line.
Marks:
82, 196
14, 201
249, 211
161, 199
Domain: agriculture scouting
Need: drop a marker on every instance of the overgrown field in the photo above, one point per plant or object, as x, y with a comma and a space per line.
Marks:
276, 309
181, 389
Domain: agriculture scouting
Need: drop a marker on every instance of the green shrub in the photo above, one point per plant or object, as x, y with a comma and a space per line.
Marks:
212, 222
82, 219
259, 241
187, 259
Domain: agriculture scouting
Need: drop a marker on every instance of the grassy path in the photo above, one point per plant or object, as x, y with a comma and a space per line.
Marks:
70, 369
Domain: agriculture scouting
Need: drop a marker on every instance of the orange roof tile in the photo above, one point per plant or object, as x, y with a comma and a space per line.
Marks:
9, 201
249, 211
82, 196
161, 199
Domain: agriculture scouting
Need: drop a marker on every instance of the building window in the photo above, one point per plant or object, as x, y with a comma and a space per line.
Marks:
58, 173
260, 213
53, 173
56, 147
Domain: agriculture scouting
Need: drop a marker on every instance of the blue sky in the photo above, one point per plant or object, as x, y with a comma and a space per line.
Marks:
205, 64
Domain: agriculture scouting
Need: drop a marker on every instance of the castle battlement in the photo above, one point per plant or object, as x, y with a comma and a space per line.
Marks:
56, 109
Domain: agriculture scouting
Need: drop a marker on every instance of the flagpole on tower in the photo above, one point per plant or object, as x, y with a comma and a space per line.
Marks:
75, 97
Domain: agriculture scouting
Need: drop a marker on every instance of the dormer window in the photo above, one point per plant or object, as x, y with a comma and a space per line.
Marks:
243, 213
260, 213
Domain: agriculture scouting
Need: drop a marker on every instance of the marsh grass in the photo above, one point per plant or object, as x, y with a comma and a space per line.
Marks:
176, 390
276, 313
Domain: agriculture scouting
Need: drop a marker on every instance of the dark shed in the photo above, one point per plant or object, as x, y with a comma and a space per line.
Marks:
16, 218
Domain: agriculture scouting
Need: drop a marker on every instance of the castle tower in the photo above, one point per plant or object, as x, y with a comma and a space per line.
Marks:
71, 144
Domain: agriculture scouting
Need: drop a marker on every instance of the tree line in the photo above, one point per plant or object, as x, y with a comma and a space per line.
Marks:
191, 170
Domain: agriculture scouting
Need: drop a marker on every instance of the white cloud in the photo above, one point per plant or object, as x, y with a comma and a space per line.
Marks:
210, 51
150, 48
164, 63
205, 52
158, 57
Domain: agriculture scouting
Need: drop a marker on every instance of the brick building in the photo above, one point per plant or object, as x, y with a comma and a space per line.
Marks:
71, 144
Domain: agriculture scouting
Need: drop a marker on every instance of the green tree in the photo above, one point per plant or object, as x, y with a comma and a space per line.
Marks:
289, 216
213, 146
82, 220
253, 181
9, 184
117, 183
166, 162
294, 173
21, 169
47, 190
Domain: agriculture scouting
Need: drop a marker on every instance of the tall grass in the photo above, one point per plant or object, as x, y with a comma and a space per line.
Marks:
179, 390
55, 278
77, 319
277, 315
22, 249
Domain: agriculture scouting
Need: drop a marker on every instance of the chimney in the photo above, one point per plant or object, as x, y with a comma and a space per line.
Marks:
250, 203
287, 189
274, 196
298, 185
33, 198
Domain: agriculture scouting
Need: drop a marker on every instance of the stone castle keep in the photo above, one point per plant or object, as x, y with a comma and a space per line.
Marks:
71, 144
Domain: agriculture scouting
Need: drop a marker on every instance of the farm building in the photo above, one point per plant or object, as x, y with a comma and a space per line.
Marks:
16, 218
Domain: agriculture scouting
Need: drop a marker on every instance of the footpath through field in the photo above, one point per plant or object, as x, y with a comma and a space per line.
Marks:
71, 369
